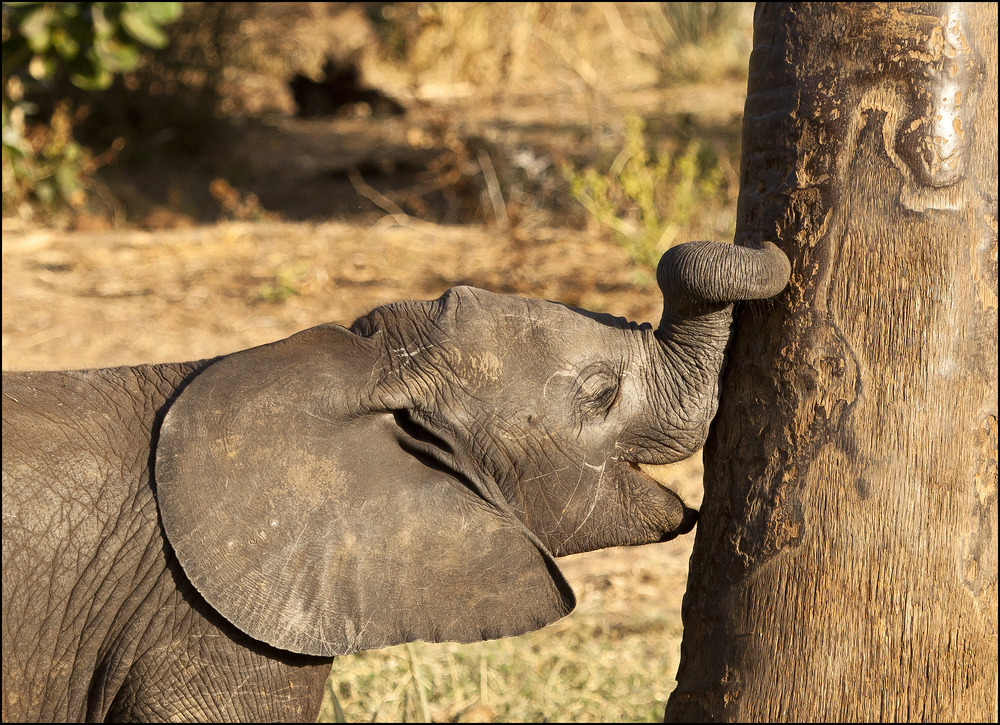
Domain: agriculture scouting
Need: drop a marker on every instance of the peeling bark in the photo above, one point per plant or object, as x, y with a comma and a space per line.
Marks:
845, 564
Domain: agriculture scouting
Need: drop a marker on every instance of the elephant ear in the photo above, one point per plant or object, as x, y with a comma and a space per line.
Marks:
301, 517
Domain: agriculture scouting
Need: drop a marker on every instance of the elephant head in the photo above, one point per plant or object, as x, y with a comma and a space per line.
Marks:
412, 477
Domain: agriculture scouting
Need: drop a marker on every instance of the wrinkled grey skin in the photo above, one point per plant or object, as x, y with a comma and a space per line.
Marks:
195, 541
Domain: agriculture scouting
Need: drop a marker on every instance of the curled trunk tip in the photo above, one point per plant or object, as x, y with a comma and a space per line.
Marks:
716, 273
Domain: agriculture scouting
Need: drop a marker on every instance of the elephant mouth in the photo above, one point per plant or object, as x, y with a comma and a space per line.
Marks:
657, 476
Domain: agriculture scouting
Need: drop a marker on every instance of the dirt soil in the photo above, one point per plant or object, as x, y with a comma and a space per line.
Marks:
86, 299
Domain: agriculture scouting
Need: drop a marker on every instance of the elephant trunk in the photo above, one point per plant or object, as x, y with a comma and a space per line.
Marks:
700, 278
700, 281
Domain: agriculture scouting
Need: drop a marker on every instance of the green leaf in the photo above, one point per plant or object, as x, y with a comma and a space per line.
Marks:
163, 13
115, 55
98, 79
139, 25
36, 27
66, 180
64, 43
103, 28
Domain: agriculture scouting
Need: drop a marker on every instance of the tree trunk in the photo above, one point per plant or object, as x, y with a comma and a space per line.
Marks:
845, 564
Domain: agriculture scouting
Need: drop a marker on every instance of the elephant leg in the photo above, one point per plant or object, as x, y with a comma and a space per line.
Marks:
192, 665
240, 687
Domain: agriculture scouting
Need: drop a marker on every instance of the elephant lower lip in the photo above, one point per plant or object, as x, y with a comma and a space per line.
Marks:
658, 474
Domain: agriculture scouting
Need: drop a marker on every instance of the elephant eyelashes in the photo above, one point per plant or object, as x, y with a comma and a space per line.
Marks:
599, 388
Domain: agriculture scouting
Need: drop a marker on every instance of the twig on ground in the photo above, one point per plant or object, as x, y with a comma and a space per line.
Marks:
493, 188
379, 199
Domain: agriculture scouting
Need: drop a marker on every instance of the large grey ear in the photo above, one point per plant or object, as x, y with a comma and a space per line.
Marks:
301, 518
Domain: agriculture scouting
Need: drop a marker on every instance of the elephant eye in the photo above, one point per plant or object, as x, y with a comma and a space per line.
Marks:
599, 387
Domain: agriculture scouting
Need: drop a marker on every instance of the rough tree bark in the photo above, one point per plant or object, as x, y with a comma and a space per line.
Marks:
845, 564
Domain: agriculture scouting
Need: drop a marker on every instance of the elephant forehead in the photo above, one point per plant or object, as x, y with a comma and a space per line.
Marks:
469, 316
510, 318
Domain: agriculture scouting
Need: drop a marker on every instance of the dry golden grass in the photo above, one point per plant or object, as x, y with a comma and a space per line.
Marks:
446, 51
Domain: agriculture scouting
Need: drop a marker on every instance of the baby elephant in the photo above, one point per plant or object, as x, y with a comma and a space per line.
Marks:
195, 541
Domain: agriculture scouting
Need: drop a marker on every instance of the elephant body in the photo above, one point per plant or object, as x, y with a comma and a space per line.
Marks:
99, 622
196, 541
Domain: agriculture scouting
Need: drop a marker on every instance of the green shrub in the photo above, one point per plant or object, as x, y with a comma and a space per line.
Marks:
650, 199
44, 44
43, 164
88, 42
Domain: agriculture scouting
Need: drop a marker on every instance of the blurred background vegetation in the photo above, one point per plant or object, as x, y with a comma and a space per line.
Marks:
532, 121
139, 114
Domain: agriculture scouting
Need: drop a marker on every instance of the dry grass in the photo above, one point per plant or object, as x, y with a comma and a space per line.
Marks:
444, 51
